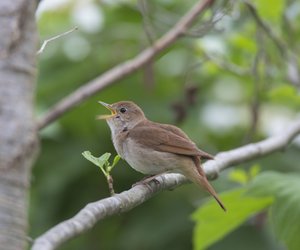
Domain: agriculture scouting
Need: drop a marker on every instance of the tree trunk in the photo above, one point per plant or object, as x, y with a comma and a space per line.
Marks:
18, 135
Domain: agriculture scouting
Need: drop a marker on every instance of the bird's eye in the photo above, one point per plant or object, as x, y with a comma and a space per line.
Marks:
123, 110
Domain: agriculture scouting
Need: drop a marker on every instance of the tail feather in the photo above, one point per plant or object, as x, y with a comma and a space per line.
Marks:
197, 175
211, 190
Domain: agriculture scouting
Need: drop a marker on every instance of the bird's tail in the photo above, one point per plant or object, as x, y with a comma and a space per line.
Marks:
204, 183
197, 176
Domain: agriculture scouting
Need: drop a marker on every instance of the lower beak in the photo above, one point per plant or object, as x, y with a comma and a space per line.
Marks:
109, 107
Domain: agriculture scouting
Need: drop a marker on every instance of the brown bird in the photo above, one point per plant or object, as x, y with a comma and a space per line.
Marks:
154, 148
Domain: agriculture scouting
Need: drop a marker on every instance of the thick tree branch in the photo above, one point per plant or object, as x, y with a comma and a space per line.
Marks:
127, 200
18, 135
126, 68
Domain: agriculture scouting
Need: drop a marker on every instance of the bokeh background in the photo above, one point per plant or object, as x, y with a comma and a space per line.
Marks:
226, 83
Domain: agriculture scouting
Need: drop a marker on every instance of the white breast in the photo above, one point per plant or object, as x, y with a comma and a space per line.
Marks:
149, 161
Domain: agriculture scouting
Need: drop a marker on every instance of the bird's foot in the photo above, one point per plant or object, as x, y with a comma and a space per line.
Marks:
147, 179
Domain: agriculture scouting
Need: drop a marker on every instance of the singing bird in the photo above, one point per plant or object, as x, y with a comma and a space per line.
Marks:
154, 148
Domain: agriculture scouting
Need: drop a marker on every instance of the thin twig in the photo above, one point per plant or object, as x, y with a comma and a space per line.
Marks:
86, 218
201, 30
227, 66
147, 24
150, 33
293, 71
269, 32
41, 50
125, 68
110, 183
257, 79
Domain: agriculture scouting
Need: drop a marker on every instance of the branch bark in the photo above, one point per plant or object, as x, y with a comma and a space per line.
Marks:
18, 135
126, 68
127, 200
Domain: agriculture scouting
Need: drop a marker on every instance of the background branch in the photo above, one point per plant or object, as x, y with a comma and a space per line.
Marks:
227, 65
45, 43
127, 200
126, 68
258, 77
268, 31
292, 73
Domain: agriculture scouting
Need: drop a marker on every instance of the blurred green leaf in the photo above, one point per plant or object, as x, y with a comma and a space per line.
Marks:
254, 171
239, 176
285, 94
242, 176
285, 213
243, 42
272, 11
212, 223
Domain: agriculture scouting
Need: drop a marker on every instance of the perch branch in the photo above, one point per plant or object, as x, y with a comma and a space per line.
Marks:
125, 68
86, 218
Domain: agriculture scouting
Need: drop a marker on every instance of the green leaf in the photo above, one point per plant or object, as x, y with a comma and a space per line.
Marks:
239, 176
116, 160
254, 170
243, 42
212, 223
285, 94
98, 161
285, 213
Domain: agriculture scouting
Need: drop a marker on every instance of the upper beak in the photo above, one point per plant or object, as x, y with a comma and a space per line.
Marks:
109, 107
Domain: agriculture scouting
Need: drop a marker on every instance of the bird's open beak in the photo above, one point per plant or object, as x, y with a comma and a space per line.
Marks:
109, 107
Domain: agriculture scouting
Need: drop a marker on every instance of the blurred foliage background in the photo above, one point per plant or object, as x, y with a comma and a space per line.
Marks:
233, 79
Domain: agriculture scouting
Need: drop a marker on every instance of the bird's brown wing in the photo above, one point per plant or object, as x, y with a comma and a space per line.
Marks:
166, 140
180, 133
172, 129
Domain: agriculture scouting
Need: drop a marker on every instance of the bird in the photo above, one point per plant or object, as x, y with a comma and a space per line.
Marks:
153, 148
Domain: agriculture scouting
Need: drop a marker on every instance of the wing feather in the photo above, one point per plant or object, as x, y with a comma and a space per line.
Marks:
167, 139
